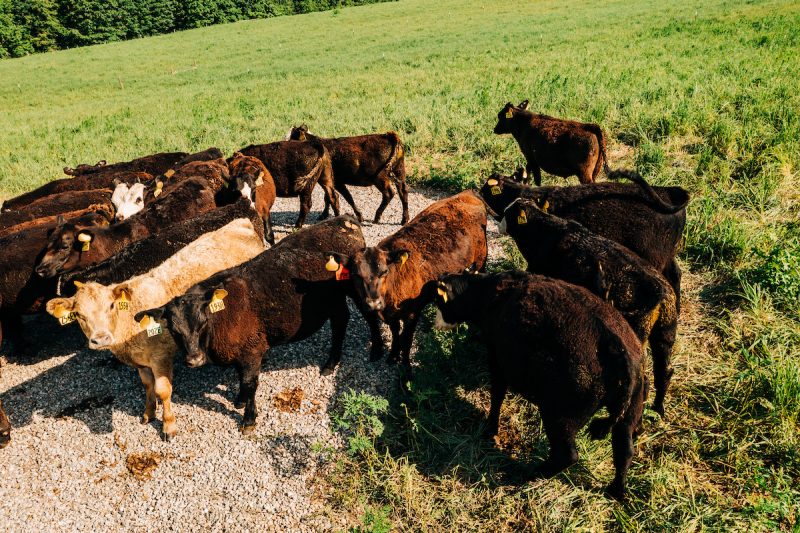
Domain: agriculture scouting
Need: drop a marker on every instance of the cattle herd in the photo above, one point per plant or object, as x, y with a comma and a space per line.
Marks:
174, 253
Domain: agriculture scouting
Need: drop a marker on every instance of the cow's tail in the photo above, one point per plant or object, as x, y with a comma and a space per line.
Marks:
398, 152
602, 161
311, 178
622, 376
636, 178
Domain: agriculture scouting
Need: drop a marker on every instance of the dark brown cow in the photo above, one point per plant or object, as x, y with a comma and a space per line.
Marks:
561, 147
364, 160
566, 250
22, 291
154, 164
564, 350
647, 220
251, 178
282, 295
296, 167
56, 204
394, 278
71, 247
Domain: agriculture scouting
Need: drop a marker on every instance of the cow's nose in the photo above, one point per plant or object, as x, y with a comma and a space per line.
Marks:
42, 271
100, 340
119, 218
375, 304
195, 359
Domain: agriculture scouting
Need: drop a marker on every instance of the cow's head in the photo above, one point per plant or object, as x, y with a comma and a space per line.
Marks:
66, 242
5, 428
297, 133
128, 199
505, 118
103, 312
452, 300
368, 270
246, 174
187, 319
519, 213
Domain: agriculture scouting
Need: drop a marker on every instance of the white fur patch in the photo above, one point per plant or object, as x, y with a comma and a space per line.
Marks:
440, 322
247, 193
288, 136
129, 201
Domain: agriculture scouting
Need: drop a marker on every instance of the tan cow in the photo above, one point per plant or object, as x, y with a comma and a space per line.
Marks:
105, 312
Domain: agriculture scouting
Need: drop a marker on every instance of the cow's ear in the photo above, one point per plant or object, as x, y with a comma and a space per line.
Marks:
85, 238
334, 260
122, 292
523, 105
144, 317
219, 294
399, 256
60, 307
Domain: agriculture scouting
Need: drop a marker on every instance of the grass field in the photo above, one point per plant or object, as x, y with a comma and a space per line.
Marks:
701, 94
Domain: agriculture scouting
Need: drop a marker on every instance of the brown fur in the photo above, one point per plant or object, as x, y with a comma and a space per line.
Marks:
247, 170
445, 238
55, 204
365, 160
51, 220
561, 147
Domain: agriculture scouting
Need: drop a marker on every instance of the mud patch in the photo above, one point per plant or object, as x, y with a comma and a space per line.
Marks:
289, 400
142, 465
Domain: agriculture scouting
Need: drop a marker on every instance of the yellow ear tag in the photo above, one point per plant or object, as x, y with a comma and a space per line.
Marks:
496, 190
509, 113
169, 173
260, 179
492, 182
442, 293
153, 328
64, 317
331, 265
403, 259
122, 303
522, 218
546, 206
86, 240
217, 304
159, 189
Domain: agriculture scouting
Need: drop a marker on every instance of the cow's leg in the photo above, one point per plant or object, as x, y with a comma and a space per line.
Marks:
163, 377
328, 185
149, 382
394, 351
536, 171
407, 338
250, 368
561, 435
402, 188
673, 274
384, 185
305, 207
662, 340
498, 394
622, 436
339, 319
326, 212
376, 339
349, 199
269, 235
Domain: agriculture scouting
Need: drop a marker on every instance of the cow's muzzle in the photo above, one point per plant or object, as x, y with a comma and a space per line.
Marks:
196, 359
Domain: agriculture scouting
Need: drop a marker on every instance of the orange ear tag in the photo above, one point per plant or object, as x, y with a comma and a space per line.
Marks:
522, 218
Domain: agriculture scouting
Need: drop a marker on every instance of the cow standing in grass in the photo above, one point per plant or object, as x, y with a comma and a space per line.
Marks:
561, 147
364, 160
394, 279
563, 349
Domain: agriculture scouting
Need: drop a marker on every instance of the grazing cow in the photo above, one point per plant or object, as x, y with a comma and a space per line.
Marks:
21, 291
394, 279
56, 204
105, 312
144, 255
71, 247
296, 167
284, 295
250, 177
364, 160
566, 250
561, 147
647, 220
79, 183
561, 348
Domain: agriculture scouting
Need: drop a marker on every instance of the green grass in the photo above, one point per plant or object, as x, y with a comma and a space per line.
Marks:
701, 94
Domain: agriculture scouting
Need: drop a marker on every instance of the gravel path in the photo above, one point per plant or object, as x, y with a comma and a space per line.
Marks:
80, 460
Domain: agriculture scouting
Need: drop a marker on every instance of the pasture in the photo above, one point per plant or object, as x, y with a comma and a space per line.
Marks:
702, 95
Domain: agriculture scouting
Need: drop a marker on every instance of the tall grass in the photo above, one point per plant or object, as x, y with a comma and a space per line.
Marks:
700, 94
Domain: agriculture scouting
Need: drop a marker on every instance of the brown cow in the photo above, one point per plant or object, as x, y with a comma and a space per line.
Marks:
394, 278
296, 167
364, 160
154, 164
561, 147
250, 177
56, 204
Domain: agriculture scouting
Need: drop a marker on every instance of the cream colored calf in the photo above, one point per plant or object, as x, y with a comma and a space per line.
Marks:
105, 312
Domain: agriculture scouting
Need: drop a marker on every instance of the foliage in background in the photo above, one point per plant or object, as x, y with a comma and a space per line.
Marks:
28, 26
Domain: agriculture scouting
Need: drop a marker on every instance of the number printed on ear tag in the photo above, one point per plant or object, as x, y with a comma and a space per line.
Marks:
153, 329
69, 319
123, 305
216, 306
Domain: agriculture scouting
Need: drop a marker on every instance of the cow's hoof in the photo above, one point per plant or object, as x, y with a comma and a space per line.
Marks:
247, 429
146, 419
616, 491
169, 437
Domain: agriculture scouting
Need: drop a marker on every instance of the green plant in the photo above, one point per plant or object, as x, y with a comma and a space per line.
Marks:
358, 418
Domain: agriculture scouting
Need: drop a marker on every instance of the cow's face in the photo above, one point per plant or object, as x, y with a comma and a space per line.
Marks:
128, 200
103, 313
505, 118
369, 269
5, 428
297, 133
64, 248
519, 214
247, 173
452, 306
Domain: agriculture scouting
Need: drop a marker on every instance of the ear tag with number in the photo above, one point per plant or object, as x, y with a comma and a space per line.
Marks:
153, 329
546, 206
496, 190
522, 218
260, 179
86, 240
216, 305
159, 189
122, 303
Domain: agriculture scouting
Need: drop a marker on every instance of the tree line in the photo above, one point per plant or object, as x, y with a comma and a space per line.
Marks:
30, 26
